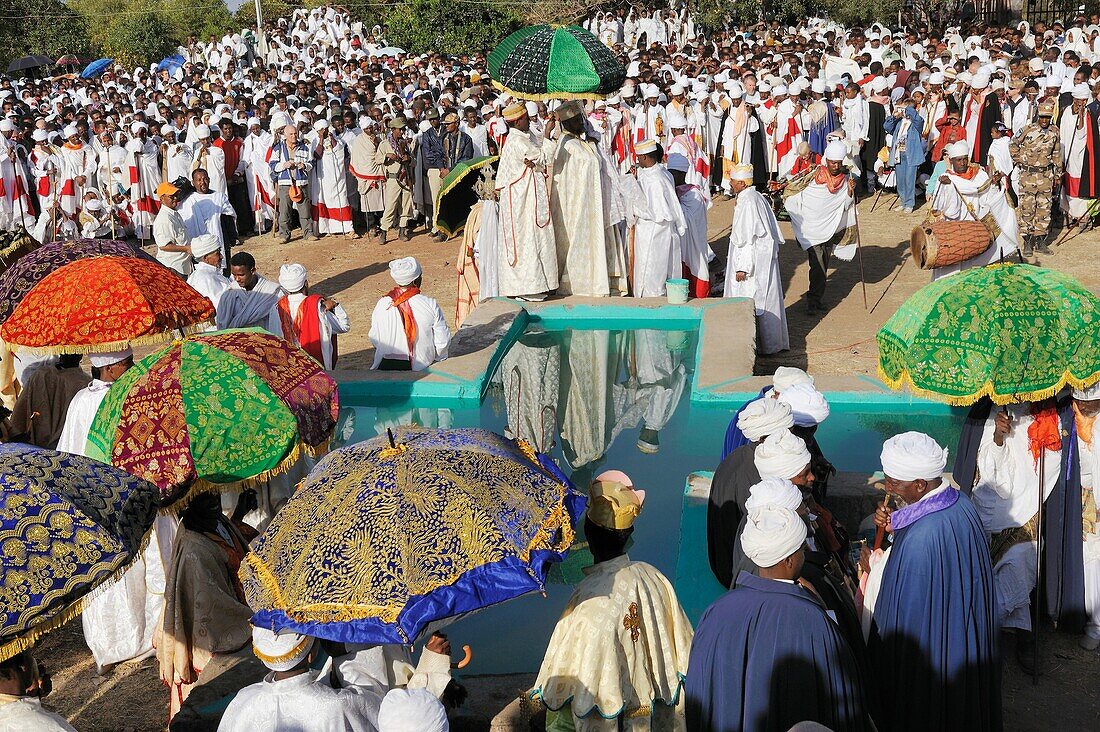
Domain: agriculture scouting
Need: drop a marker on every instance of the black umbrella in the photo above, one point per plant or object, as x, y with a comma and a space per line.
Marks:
29, 62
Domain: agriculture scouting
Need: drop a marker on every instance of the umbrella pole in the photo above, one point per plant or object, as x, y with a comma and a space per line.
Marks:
141, 194
19, 195
1038, 614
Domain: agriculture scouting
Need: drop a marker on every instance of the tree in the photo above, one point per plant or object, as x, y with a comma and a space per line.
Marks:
860, 12
448, 27
139, 37
47, 27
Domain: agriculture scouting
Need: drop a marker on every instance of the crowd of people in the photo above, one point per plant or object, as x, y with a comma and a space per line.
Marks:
316, 124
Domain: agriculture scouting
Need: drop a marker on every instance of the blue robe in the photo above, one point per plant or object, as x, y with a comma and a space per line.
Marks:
1064, 569
765, 657
735, 438
933, 644
818, 134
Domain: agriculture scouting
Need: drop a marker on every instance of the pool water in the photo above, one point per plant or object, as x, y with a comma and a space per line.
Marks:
596, 400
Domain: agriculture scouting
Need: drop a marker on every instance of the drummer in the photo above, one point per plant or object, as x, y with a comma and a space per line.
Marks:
965, 193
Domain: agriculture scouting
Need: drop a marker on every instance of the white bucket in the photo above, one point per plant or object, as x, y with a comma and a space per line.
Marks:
677, 291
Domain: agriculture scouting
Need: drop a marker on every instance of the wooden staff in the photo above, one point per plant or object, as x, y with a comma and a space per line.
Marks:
859, 250
880, 532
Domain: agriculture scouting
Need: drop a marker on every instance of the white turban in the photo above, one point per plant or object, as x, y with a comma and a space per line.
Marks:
1081, 91
771, 535
321, 124
137, 127
202, 132
280, 651
742, 173
412, 710
808, 406
204, 244
775, 492
99, 360
935, 78
1089, 394
787, 376
404, 271
913, 456
292, 277
764, 417
6, 125
958, 150
675, 119
69, 131
836, 150
40, 135
781, 455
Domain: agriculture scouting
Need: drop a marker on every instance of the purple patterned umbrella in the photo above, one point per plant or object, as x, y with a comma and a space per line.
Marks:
31, 268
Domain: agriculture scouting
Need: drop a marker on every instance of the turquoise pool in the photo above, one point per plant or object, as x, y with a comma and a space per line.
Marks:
601, 399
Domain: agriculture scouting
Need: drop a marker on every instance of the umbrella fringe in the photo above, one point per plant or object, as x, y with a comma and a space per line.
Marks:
988, 389
547, 97
205, 486
150, 339
27, 639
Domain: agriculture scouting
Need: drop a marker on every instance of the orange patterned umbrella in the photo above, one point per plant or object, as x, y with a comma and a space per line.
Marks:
104, 304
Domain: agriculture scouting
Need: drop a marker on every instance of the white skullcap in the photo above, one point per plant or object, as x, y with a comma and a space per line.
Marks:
980, 81
280, 651
6, 125
817, 86
675, 118
781, 455
1088, 394
404, 271
787, 376
651, 92
958, 150
836, 150
808, 405
678, 161
935, 77
40, 135
321, 124
913, 456
1081, 91
764, 417
138, 127
741, 172
69, 131
255, 121
779, 91
735, 90
93, 204
204, 244
292, 277
676, 90
775, 492
771, 535
412, 710
100, 360
202, 131
1035, 64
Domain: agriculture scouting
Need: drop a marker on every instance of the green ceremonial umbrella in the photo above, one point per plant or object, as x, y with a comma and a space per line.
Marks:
555, 62
457, 195
1012, 332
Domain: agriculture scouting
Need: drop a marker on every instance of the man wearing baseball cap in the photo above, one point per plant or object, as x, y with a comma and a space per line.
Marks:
170, 233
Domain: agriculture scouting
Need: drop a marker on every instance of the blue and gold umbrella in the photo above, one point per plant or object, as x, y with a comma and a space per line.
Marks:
384, 538
67, 525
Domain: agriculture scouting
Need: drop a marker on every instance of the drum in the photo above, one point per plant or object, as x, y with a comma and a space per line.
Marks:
944, 243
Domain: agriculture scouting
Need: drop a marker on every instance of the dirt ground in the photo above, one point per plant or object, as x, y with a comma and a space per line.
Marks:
131, 698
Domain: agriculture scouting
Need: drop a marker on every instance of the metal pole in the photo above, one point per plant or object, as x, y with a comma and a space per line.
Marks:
261, 37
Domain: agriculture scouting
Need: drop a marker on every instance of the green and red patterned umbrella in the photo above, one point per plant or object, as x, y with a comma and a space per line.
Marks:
555, 62
232, 407
1010, 332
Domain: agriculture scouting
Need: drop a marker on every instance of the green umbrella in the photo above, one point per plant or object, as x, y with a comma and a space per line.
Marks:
555, 62
457, 195
1012, 332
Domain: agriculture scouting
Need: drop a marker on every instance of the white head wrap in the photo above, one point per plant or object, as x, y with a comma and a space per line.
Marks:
292, 277
99, 360
280, 651
781, 455
1081, 91
742, 172
204, 244
787, 376
675, 119
69, 131
202, 132
836, 150
404, 271
958, 149
412, 710
764, 417
772, 534
913, 456
808, 405
773, 492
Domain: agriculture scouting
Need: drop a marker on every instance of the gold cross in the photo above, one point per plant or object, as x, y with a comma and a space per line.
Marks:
633, 622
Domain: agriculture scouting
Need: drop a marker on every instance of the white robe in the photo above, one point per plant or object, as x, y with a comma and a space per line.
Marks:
527, 261
212, 160
695, 252
332, 323
26, 714
387, 332
302, 702
261, 188
984, 198
178, 155
657, 233
120, 619
1089, 457
817, 215
329, 188
209, 281
754, 250
202, 214
1074, 147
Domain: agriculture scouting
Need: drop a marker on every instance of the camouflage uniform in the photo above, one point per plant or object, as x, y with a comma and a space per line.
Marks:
1038, 159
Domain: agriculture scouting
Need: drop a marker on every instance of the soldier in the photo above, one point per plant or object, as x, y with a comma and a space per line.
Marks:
1037, 155
393, 154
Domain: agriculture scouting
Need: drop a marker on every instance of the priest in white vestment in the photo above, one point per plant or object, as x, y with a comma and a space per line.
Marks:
527, 265
695, 251
407, 328
619, 653
659, 227
580, 205
310, 321
207, 277
23, 683
209, 157
1074, 135
329, 189
120, 619
966, 193
752, 264
203, 209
